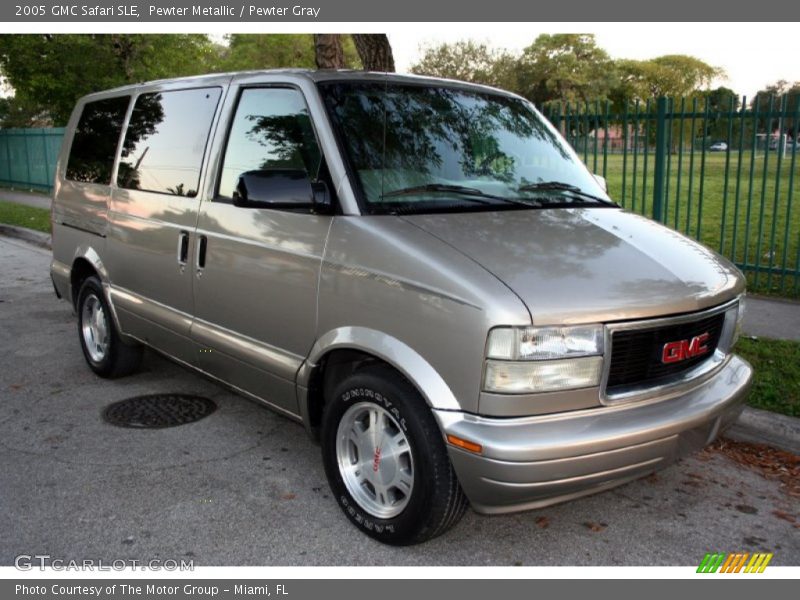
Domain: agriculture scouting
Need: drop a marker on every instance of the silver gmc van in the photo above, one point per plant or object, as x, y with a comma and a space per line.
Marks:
420, 271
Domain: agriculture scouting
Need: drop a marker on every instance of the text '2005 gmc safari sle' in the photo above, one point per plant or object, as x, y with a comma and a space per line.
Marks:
421, 271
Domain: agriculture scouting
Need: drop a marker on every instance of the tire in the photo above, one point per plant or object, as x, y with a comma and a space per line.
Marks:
372, 487
103, 349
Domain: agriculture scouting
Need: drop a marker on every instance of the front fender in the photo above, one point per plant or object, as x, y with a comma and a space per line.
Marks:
391, 350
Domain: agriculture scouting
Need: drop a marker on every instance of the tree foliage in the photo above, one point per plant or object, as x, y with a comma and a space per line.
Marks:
565, 66
569, 68
50, 72
784, 98
780, 88
673, 75
469, 61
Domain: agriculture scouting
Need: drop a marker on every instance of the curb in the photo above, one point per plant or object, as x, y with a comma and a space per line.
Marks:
765, 427
37, 238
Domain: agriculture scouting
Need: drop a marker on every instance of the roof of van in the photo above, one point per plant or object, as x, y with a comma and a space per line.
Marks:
313, 75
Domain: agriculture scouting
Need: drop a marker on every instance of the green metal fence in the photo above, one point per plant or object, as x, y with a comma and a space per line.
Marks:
722, 175
28, 157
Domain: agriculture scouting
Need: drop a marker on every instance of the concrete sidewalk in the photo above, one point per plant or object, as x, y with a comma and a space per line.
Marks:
26, 198
772, 318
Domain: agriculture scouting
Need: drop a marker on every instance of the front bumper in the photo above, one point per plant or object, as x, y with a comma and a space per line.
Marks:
532, 462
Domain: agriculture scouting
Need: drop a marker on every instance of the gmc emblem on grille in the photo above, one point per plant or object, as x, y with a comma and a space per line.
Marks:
684, 349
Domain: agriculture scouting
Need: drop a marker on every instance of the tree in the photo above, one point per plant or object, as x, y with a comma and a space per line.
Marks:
270, 51
375, 51
780, 92
674, 75
469, 61
721, 102
565, 66
328, 52
50, 72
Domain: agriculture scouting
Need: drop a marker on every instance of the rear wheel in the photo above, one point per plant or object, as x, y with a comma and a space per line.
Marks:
104, 351
386, 461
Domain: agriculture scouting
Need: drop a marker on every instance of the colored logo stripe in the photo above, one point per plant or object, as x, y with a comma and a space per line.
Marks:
734, 562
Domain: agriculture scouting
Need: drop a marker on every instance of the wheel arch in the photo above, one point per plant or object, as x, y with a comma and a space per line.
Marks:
343, 350
85, 263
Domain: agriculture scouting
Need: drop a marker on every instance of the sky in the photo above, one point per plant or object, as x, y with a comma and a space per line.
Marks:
752, 54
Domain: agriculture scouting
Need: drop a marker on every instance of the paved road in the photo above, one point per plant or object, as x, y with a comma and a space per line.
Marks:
246, 487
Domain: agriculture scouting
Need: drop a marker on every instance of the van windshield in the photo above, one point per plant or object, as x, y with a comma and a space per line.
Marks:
423, 148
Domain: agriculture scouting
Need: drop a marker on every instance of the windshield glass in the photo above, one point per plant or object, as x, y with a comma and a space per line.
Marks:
422, 148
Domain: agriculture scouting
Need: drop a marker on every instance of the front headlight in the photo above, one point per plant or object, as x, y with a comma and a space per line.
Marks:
523, 360
732, 327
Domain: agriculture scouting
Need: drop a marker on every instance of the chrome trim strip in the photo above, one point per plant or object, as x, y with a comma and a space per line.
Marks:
81, 229
250, 351
679, 382
282, 411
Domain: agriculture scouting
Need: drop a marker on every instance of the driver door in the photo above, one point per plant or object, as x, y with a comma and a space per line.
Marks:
257, 269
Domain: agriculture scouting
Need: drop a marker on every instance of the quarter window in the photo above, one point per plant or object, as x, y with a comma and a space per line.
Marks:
271, 131
165, 141
94, 145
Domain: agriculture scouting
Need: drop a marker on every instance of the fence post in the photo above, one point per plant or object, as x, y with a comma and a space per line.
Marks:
659, 173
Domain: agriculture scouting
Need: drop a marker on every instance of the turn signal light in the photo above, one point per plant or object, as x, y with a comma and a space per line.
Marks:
465, 444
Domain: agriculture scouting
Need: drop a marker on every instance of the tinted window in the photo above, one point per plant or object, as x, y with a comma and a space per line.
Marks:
271, 132
410, 145
94, 145
165, 141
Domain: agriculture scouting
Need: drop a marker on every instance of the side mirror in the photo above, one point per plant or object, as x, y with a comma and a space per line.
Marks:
601, 181
280, 189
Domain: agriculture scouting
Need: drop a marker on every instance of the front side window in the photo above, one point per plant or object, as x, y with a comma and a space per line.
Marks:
270, 134
165, 141
421, 148
94, 145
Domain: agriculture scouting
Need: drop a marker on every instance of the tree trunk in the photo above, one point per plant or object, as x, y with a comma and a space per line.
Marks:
328, 52
125, 49
374, 51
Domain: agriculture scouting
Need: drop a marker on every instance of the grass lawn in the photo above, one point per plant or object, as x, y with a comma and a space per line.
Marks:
25, 216
742, 219
777, 374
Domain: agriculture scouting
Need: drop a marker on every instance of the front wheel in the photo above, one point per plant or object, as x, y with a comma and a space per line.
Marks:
106, 354
385, 459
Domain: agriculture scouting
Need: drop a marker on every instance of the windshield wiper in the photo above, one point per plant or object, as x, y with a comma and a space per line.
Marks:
560, 186
473, 194
441, 188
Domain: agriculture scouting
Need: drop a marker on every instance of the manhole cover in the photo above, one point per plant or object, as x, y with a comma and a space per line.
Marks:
158, 410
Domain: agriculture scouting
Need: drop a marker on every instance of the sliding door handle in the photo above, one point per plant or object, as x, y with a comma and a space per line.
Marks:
183, 247
202, 243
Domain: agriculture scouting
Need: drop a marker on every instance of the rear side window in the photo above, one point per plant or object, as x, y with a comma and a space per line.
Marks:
94, 145
165, 141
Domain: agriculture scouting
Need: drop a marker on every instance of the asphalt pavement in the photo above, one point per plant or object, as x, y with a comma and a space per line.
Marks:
246, 487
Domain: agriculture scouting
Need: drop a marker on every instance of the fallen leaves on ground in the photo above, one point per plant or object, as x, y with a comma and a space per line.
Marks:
784, 515
591, 526
769, 462
542, 522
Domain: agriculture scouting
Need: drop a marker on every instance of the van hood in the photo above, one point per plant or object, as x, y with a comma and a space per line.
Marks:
582, 265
